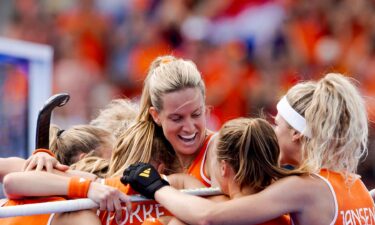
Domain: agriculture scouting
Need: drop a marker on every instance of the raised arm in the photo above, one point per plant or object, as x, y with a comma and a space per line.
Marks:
9, 165
38, 161
288, 195
37, 183
184, 181
274, 201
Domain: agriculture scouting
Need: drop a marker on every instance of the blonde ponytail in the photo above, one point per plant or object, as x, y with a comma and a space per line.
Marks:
337, 120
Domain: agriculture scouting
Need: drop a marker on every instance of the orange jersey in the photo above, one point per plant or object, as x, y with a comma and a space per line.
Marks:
197, 167
354, 205
43, 219
140, 210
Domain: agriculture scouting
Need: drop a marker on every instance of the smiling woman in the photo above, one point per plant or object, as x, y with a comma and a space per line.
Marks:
182, 120
172, 113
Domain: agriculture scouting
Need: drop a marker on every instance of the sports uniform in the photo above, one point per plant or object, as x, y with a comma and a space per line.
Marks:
353, 203
197, 167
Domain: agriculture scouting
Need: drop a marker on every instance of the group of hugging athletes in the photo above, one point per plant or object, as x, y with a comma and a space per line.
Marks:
299, 170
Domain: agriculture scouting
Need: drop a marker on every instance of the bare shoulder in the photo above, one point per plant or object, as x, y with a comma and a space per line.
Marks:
184, 181
12, 160
310, 197
9, 165
299, 191
292, 187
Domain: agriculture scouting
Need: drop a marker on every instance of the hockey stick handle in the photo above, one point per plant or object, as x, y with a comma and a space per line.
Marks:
81, 204
44, 118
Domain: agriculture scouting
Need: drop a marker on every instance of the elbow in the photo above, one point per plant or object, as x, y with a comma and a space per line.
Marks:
207, 221
207, 218
10, 183
204, 222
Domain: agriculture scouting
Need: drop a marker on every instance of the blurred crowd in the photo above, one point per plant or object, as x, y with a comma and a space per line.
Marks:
248, 51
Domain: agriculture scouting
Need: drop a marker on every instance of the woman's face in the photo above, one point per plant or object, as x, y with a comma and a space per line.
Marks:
290, 149
183, 120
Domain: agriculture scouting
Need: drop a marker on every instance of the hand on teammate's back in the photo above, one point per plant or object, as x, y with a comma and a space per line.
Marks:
143, 178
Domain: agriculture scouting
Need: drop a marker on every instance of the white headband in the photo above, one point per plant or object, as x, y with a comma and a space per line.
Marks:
291, 116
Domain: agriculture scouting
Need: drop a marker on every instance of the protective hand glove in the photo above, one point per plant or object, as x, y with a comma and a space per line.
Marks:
143, 178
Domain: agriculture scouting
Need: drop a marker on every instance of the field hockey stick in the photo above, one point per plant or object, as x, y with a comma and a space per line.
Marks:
81, 204
44, 119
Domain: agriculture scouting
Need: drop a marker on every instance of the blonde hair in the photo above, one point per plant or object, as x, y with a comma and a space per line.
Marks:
68, 144
166, 74
116, 116
336, 115
250, 147
92, 164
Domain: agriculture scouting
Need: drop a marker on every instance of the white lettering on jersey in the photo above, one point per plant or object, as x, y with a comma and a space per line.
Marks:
361, 216
138, 214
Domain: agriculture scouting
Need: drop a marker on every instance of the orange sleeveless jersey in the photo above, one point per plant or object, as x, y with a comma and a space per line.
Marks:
354, 205
197, 167
140, 210
43, 219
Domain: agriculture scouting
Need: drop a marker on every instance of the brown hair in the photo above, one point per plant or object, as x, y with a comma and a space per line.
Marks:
68, 144
250, 147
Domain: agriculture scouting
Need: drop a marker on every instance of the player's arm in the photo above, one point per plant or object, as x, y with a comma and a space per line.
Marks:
42, 160
175, 221
38, 161
34, 183
37, 183
184, 181
264, 206
9, 165
76, 173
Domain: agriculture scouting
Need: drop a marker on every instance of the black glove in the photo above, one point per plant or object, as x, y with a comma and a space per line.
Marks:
143, 178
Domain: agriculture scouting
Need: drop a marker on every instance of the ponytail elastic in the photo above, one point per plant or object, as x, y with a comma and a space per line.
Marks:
59, 133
